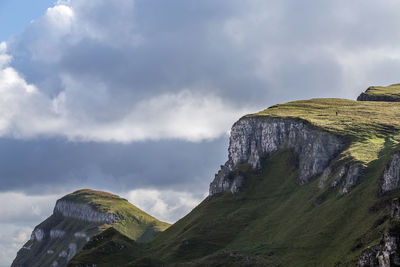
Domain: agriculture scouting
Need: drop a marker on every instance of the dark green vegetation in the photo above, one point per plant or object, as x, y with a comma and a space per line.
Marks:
381, 93
132, 222
274, 221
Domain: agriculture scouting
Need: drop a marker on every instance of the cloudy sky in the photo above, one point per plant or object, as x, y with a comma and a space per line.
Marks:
137, 97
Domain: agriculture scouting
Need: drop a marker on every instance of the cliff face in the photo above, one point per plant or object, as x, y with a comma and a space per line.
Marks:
391, 176
83, 212
389, 93
256, 137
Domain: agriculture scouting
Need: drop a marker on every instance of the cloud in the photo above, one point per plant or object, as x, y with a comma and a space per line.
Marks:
125, 71
51, 166
125, 95
165, 205
20, 212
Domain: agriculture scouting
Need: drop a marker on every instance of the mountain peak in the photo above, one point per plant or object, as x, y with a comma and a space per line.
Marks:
79, 216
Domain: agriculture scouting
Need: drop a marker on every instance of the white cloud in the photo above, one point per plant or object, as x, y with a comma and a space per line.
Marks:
165, 205
25, 112
20, 213
12, 239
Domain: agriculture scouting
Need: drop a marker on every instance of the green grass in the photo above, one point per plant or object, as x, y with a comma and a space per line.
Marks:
111, 246
273, 220
365, 124
390, 93
135, 223
284, 223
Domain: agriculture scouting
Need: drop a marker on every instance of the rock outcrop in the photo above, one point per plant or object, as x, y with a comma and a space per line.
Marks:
384, 98
347, 177
83, 212
255, 137
385, 254
391, 175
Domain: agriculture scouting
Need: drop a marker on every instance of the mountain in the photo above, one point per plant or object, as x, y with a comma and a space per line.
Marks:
78, 217
307, 183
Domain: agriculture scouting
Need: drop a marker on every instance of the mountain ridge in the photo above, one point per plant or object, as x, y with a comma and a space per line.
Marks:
307, 183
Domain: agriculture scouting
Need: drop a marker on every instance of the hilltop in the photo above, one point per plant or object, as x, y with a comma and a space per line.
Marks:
78, 217
307, 183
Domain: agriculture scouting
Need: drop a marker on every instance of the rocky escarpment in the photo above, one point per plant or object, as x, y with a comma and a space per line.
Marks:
83, 212
384, 98
389, 93
256, 137
391, 175
385, 254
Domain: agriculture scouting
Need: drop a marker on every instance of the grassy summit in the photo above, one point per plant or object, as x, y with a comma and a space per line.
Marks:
135, 223
381, 93
132, 222
368, 126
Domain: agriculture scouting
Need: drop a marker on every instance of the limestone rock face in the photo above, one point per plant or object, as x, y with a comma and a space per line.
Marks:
83, 212
391, 175
348, 177
256, 137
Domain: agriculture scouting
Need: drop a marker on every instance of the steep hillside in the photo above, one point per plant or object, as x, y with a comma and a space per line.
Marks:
306, 183
79, 216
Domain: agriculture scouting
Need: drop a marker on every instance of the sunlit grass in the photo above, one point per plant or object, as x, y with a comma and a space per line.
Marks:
366, 124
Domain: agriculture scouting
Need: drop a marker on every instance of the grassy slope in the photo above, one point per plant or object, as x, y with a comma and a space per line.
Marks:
136, 224
273, 221
367, 124
391, 92
111, 246
290, 225
287, 224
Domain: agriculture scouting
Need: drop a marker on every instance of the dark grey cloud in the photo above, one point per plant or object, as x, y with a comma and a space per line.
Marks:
54, 165
92, 81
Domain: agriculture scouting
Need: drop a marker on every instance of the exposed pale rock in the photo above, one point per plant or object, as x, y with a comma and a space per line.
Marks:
348, 177
80, 235
391, 175
38, 235
255, 137
56, 233
387, 253
83, 212
72, 248
63, 254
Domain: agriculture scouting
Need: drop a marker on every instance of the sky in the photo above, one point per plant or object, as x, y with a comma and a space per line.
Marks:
137, 97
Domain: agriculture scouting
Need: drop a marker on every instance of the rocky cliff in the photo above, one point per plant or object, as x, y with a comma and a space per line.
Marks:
307, 183
78, 217
83, 212
255, 137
